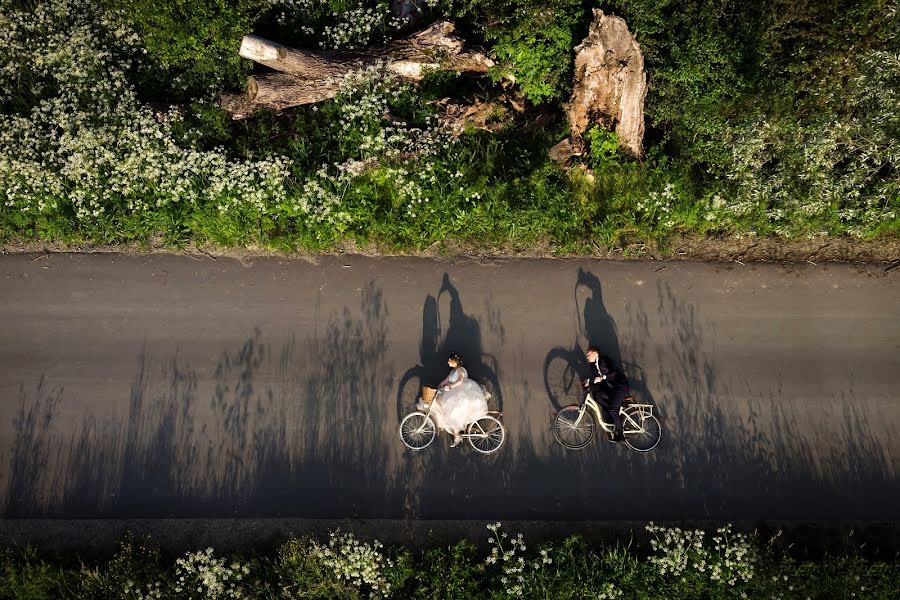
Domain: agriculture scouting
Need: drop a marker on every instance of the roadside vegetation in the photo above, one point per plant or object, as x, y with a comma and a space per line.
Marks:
774, 118
678, 564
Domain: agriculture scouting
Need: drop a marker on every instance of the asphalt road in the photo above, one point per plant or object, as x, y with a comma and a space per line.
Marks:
173, 386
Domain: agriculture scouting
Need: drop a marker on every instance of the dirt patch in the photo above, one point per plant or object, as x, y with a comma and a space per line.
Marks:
734, 248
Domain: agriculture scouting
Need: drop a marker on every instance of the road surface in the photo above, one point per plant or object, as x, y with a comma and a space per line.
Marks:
166, 386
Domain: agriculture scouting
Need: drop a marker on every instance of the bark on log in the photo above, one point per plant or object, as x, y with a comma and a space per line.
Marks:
311, 76
610, 87
280, 90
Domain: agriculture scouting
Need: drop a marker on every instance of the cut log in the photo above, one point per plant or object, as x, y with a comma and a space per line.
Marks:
313, 76
280, 90
609, 88
309, 64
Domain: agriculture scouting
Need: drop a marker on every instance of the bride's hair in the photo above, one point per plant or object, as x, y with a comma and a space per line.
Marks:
456, 357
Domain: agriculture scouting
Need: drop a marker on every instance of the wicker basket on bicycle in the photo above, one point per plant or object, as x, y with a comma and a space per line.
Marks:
428, 394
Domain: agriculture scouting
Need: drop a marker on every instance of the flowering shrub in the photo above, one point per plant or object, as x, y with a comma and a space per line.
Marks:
89, 148
85, 155
657, 208
569, 569
403, 158
202, 576
349, 25
358, 563
541, 575
687, 555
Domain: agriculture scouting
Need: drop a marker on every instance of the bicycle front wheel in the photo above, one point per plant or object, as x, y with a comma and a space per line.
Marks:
647, 437
486, 435
572, 432
417, 431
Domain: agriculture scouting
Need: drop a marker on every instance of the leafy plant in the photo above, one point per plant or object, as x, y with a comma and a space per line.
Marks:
535, 47
191, 45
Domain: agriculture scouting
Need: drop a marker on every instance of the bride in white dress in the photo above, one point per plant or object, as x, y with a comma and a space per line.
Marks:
460, 400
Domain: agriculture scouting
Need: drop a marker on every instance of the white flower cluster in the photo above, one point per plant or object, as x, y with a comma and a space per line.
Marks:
356, 562
132, 590
610, 592
513, 578
657, 208
365, 99
353, 25
731, 558
200, 575
91, 145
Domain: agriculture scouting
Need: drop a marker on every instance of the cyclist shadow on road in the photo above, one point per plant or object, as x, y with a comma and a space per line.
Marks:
566, 366
463, 336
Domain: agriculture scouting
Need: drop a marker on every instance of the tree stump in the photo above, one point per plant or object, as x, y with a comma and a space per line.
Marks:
609, 88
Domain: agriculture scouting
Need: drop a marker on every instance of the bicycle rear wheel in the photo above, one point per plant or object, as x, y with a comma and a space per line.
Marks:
571, 432
417, 431
647, 437
486, 435
561, 378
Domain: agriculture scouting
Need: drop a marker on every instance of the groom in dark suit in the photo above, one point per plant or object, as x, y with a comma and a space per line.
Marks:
609, 387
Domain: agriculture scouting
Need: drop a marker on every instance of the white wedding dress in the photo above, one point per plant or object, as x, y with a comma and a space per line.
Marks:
461, 405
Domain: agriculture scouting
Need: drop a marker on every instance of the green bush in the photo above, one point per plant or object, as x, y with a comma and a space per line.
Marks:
533, 41
192, 45
604, 147
136, 567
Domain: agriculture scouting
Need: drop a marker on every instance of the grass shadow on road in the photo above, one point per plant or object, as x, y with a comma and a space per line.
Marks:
301, 430
738, 449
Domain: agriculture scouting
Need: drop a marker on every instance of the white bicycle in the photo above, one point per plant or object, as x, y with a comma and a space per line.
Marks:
418, 429
574, 425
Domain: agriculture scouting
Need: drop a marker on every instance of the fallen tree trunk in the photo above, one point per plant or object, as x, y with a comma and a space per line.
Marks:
310, 76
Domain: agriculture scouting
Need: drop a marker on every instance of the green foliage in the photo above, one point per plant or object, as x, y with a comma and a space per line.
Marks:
604, 147
191, 45
136, 566
25, 576
451, 573
778, 117
534, 42
302, 575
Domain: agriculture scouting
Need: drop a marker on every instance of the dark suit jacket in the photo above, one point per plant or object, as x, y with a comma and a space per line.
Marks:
614, 384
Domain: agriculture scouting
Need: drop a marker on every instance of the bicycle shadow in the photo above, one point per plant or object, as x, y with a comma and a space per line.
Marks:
463, 336
566, 367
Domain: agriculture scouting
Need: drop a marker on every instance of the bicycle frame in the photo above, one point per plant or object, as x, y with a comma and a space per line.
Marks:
589, 402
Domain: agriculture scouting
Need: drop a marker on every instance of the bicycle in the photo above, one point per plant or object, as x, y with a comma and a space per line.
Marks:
574, 425
418, 429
